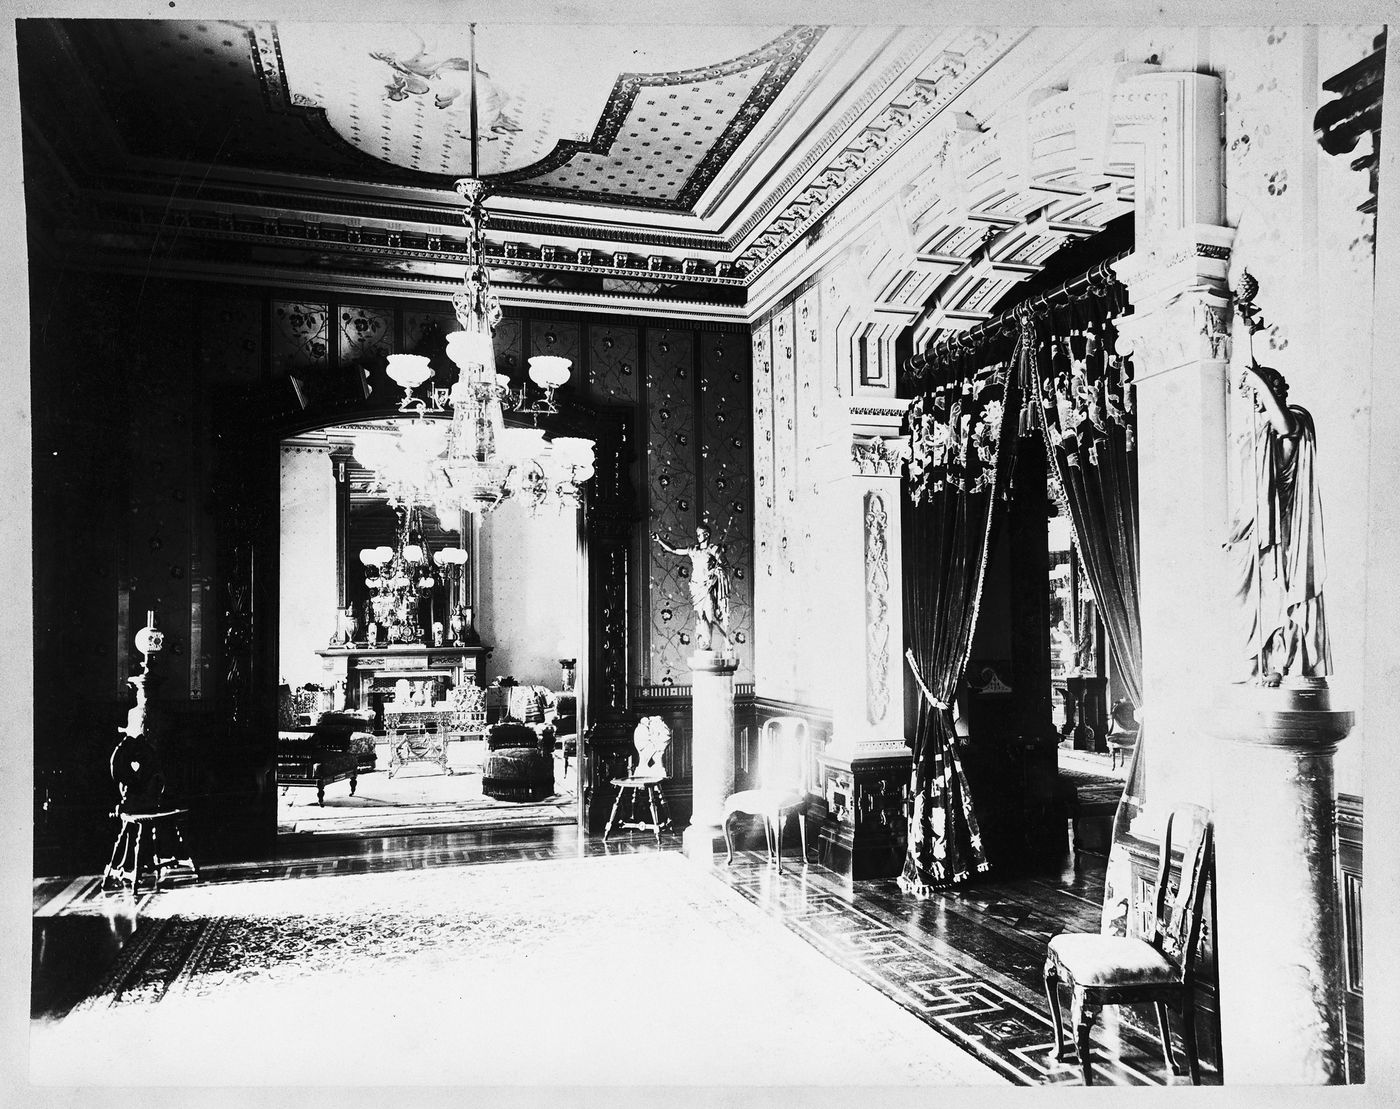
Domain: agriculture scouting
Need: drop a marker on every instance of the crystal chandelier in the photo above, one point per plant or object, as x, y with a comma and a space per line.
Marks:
399, 577
484, 462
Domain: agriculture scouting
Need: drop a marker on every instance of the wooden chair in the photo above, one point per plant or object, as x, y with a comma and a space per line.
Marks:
651, 739
1123, 970
1122, 733
148, 827
782, 787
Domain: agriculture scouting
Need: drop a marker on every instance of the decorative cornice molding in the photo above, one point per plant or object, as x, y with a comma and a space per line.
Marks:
891, 73
908, 112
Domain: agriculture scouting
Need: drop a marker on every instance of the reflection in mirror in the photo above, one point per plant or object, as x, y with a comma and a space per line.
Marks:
364, 564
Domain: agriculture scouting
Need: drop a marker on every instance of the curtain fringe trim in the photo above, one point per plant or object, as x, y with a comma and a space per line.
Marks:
924, 890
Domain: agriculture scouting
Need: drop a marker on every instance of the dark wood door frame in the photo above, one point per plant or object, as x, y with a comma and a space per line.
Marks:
246, 506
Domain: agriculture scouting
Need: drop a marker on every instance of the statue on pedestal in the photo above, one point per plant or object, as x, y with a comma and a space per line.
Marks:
1276, 537
709, 585
344, 634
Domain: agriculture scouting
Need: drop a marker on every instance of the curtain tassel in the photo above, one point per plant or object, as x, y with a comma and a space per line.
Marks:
919, 679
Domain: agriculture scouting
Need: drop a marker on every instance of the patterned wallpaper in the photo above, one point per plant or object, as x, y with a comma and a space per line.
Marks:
558, 337
161, 566
231, 350
726, 467
613, 372
765, 647
809, 534
300, 337
787, 540
672, 490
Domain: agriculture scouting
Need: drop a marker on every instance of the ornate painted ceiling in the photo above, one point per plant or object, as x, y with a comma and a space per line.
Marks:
627, 165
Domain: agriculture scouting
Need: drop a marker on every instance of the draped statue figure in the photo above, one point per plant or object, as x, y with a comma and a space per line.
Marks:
709, 585
1276, 538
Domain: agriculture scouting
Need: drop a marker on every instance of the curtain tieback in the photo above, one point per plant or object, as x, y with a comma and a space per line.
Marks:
914, 669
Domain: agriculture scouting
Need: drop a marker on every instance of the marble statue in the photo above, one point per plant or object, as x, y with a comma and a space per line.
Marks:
1276, 538
709, 585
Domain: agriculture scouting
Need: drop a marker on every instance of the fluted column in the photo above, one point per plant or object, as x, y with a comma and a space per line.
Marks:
1278, 934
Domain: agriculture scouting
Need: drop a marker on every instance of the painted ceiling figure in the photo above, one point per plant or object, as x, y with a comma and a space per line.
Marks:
709, 584
1276, 539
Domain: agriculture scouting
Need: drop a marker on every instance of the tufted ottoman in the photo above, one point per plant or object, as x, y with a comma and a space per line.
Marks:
519, 763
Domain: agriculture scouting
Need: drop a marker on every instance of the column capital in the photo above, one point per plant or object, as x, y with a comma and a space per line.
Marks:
1181, 302
879, 456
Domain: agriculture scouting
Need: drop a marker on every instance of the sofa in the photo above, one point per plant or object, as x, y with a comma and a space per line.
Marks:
358, 726
315, 757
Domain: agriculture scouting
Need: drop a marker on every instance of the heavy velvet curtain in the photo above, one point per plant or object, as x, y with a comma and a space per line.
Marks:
1080, 393
958, 471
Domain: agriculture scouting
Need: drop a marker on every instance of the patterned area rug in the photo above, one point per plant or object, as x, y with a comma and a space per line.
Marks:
418, 796
474, 975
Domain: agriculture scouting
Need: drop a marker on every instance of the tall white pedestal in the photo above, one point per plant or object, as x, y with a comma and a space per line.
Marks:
1278, 921
712, 752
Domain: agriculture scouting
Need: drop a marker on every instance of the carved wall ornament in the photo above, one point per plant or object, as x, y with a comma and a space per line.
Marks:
877, 590
1192, 325
1356, 111
990, 682
879, 457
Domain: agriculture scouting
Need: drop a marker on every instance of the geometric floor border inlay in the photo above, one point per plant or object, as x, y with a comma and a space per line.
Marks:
999, 1021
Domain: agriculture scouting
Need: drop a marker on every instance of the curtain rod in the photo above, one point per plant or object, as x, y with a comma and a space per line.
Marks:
1096, 278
